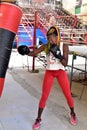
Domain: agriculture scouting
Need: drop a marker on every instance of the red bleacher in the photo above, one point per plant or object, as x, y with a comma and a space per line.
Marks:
71, 27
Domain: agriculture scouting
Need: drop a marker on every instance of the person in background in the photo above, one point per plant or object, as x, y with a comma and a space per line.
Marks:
52, 20
57, 58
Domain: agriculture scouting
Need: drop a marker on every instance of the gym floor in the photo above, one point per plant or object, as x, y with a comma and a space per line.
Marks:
20, 97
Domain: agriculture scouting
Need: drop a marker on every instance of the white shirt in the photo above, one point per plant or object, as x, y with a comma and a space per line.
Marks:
54, 63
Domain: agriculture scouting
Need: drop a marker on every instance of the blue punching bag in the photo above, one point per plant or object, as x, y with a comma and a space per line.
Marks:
10, 16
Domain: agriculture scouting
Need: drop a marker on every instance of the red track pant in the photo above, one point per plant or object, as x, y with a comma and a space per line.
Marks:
47, 85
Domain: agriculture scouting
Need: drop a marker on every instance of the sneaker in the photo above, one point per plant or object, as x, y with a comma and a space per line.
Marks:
37, 124
73, 119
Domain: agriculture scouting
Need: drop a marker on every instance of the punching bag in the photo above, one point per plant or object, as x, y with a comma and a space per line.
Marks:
10, 1
10, 16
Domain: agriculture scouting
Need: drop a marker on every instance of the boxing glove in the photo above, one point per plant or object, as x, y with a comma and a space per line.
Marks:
54, 49
23, 50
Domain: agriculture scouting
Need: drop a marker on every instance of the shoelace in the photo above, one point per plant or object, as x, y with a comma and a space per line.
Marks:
73, 116
37, 121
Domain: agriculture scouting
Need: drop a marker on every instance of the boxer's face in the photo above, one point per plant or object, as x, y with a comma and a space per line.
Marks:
52, 39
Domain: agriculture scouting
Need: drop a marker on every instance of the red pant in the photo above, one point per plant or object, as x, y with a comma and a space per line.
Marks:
47, 85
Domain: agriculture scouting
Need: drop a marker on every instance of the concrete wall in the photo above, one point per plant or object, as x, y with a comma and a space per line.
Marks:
84, 12
69, 5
